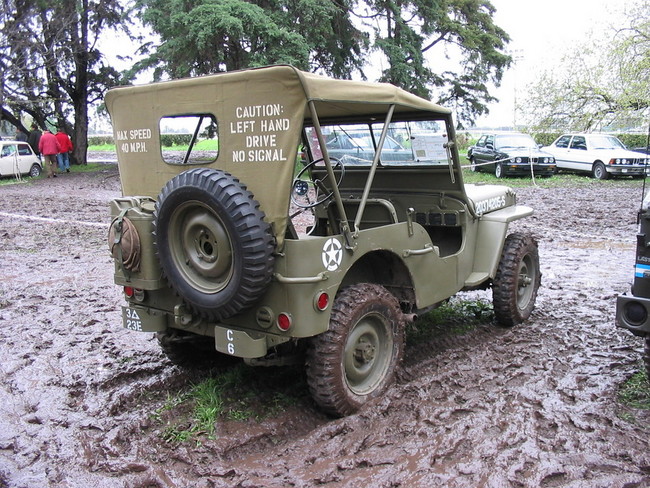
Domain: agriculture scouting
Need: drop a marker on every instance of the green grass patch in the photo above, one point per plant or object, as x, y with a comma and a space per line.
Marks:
456, 317
635, 392
102, 147
240, 394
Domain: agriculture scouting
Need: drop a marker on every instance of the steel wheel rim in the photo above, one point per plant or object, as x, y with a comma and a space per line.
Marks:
201, 247
527, 276
367, 354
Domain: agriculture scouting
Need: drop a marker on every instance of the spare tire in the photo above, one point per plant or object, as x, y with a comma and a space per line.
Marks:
213, 244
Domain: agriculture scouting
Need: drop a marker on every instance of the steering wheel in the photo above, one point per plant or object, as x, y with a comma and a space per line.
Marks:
300, 189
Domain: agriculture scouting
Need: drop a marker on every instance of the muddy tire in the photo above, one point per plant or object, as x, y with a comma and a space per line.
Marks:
214, 247
599, 171
190, 351
356, 359
518, 277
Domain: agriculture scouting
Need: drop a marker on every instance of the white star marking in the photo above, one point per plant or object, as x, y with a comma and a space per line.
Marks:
332, 254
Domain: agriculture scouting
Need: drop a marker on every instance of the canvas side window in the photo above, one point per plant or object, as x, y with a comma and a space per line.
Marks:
189, 139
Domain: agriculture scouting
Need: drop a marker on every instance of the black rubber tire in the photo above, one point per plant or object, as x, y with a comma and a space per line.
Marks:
356, 359
517, 280
498, 170
646, 357
214, 247
599, 171
35, 171
190, 351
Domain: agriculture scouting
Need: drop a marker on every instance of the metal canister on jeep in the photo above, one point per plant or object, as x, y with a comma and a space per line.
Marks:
212, 249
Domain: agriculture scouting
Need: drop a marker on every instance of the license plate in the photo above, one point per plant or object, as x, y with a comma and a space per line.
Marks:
143, 319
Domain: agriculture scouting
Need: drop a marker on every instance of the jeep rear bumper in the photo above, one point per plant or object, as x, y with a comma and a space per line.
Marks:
633, 314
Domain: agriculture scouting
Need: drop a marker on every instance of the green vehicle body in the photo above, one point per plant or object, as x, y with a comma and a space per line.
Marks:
411, 227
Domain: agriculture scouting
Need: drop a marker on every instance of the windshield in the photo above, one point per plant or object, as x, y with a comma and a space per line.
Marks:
411, 143
515, 141
606, 142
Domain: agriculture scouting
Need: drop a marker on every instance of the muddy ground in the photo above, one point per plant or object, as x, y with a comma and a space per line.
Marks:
81, 399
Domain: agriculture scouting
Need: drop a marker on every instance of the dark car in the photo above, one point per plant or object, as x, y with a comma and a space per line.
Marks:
509, 155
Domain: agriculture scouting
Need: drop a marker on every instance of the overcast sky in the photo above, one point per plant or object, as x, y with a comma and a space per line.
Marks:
542, 31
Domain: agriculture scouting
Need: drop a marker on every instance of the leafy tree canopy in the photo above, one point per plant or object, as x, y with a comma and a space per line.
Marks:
600, 84
336, 37
51, 64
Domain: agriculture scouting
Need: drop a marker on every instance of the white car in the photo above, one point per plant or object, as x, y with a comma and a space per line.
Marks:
18, 158
601, 155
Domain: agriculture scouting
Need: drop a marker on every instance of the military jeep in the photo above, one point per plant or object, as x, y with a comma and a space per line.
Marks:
309, 219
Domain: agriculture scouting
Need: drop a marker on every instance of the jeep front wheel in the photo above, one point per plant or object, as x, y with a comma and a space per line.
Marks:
517, 280
356, 359
214, 247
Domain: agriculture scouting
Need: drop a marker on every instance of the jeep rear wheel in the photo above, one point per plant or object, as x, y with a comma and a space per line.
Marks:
356, 359
518, 277
213, 244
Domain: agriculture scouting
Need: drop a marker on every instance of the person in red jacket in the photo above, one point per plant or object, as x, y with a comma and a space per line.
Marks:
65, 146
49, 148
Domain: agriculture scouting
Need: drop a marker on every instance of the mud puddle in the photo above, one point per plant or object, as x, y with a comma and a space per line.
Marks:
81, 399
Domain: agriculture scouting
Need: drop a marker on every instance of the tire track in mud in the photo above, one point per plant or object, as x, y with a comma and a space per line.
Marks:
529, 406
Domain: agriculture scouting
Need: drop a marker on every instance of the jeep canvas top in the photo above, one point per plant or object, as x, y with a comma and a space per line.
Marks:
210, 249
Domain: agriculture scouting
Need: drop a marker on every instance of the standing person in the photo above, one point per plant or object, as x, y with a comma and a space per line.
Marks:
20, 135
49, 147
65, 146
33, 140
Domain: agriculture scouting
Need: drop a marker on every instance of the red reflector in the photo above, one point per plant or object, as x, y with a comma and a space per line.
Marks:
323, 301
284, 321
129, 291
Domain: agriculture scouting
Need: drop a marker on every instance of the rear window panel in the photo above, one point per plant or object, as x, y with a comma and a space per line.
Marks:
189, 139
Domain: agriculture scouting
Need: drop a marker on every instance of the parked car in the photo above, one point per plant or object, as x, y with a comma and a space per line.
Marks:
510, 154
601, 155
18, 158
352, 145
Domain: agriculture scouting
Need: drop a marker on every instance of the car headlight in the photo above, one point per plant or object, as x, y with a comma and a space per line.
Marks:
518, 160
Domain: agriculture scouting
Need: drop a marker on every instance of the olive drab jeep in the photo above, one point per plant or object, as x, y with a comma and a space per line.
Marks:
309, 219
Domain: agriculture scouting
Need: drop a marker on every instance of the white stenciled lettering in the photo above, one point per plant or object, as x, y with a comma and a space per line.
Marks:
261, 141
274, 125
242, 126
490, 204
266, 155
271, 110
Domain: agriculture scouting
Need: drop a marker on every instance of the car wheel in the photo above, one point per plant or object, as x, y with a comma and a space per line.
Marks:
498, 170
192, 351
214, 247
35, 170
356, 359
517, 280
599, 171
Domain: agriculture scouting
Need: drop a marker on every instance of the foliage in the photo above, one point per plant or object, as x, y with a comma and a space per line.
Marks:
635, 392
408, 31
205, 36
51, 64
599, 84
